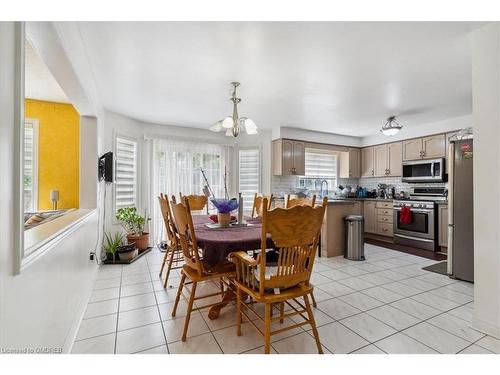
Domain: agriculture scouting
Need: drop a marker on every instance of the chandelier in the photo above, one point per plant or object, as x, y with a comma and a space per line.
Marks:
391, 127
233, 125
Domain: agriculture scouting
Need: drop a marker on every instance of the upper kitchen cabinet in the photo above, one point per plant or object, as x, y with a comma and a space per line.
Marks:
367, 167
434, 146
382, 160
412, 149
288, 157
394, 159
431, 147
349, 163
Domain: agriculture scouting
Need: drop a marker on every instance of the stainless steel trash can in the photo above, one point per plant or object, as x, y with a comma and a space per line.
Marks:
355, 237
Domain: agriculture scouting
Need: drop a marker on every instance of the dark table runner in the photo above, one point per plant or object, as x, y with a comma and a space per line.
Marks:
218, 243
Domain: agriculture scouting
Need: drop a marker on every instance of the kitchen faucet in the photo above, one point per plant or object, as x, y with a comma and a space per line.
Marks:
321, 192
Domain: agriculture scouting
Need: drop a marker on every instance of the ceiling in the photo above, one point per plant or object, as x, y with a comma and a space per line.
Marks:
337, 77
39, 82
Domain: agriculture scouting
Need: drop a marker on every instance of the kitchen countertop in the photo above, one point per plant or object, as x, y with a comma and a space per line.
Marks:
347, 200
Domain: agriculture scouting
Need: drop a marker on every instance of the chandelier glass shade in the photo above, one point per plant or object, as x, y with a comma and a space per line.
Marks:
391, 127
234, 125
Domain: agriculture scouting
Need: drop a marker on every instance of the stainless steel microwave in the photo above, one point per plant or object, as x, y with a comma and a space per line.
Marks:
424, 170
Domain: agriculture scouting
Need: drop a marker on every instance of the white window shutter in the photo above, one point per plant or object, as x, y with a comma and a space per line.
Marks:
29, 167
249, 175
126, 173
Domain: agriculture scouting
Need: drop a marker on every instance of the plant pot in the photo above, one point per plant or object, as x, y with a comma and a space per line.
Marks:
111, 258
127, 252
224, 219
141, 242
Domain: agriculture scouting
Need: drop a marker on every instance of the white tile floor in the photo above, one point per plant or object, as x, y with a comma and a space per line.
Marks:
386, 304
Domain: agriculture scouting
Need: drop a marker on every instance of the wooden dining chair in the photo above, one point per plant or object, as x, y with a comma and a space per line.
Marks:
292, 202
173, 258
196, 202
195, 269
257, 204
295, 233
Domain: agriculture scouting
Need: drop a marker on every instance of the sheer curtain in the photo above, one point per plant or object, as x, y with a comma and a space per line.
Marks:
176, 169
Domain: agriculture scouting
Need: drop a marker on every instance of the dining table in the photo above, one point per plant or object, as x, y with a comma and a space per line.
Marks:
217, 243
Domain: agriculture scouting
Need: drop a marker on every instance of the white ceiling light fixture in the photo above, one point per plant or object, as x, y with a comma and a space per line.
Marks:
391, 127
235, 124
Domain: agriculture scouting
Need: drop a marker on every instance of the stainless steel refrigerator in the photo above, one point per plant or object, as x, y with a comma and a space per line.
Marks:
460, 207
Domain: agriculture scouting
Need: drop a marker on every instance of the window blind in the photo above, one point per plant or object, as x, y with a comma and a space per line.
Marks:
249, 176
29, 168
126, 173
320, 164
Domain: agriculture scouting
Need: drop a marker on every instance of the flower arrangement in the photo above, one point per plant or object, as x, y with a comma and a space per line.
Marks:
224, 205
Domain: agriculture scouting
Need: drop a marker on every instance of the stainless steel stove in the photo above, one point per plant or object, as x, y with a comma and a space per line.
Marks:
422, 231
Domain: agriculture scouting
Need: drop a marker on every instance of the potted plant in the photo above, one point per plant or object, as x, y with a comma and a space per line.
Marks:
133, 223
111, 244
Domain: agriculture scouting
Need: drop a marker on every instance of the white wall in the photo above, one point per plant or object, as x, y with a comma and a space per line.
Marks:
486, 108
118, 124
43, 304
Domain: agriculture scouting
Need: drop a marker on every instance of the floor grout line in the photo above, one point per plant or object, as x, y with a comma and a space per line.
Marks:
361, 291
158, 308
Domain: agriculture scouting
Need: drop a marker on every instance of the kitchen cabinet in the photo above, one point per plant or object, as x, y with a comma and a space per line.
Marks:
380, 160
395, 159
349, 163
443, 225
378, 217
431, 147
367, 162
386, 160
288, 157
370, 215
412, 149
434, 146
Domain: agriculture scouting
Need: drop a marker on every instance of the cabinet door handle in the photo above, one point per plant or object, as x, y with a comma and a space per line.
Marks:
373, 172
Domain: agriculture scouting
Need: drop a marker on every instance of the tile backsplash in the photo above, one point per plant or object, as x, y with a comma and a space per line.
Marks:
284, 184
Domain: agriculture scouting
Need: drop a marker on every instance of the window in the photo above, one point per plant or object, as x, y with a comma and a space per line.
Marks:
319, 165
176, 169
30, 173
249, 176
126, 173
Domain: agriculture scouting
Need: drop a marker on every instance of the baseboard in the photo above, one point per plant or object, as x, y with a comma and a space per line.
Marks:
486, 327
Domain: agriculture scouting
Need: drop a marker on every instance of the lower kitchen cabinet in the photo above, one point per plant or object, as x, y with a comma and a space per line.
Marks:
443, 225
370, 214
378, 218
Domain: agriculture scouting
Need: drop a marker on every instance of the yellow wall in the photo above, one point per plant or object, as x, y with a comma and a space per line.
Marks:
59, 152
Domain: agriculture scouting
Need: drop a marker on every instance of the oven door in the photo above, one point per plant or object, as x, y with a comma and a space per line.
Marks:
423, 171
422, 225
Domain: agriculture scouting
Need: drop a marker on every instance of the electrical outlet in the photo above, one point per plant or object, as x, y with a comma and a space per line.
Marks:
92, 256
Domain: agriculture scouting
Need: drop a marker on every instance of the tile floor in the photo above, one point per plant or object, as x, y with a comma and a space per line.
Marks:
386, 304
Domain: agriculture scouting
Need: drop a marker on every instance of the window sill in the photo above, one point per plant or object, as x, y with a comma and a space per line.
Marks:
41, 239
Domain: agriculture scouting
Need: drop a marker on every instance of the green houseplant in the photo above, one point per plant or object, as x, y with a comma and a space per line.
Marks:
133, 223
115, 249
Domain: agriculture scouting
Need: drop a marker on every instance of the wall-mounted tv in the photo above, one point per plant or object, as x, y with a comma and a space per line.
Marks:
106, 167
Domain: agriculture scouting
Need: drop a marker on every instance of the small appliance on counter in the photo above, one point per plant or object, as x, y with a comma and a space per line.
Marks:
382, 191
